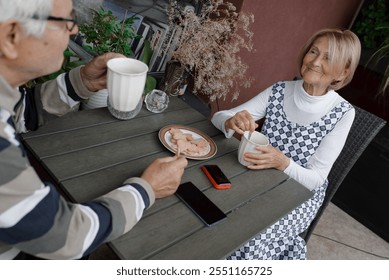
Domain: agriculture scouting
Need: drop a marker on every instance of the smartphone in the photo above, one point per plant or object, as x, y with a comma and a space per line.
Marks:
200, 204
216, 176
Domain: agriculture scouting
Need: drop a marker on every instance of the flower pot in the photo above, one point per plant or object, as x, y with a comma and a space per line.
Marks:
174, 82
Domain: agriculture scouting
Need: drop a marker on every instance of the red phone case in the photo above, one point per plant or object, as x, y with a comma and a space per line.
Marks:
209, 175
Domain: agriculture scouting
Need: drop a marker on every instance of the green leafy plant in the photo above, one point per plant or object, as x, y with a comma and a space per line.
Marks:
106, 33
369, 25
383, 53
372, 27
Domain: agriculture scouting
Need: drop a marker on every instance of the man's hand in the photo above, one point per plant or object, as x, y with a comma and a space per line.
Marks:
94, 73
164, 175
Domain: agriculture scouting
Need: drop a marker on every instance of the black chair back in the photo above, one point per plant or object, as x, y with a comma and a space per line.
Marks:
365, 127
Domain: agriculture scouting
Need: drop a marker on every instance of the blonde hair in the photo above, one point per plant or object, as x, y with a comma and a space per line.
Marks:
344, 52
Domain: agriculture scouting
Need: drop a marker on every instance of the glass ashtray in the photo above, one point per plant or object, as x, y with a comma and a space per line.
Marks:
156, 101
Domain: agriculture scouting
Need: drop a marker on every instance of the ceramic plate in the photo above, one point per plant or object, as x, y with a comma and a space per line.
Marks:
165, 138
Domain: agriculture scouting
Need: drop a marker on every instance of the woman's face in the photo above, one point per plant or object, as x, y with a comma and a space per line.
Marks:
317, 71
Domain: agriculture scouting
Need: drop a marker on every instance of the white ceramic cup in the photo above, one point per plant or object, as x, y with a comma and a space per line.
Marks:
248, 145
126, 79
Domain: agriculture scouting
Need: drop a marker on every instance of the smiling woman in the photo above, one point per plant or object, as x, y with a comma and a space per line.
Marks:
330, 60
307, 123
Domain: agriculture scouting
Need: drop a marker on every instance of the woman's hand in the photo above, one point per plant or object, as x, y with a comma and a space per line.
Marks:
241, 122
94, 73
269, 158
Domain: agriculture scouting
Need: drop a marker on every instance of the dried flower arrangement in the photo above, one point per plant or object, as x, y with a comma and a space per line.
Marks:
209, 46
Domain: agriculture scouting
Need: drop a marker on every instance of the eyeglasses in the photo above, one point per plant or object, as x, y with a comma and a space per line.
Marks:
70, 22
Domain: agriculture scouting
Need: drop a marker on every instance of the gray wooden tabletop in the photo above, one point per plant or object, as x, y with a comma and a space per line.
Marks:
88, 153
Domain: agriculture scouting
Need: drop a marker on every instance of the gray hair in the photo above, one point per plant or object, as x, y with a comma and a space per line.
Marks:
24, 11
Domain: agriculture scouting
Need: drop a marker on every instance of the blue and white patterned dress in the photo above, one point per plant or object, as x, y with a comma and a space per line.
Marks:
299, 143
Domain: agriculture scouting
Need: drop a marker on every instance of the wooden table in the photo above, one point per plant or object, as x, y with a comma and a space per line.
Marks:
89, 153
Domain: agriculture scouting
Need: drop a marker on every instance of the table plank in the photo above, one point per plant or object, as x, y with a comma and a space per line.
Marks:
105, 155
47, 145
87, 118
103, 180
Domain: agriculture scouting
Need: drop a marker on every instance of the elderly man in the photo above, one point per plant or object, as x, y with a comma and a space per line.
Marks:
34, 219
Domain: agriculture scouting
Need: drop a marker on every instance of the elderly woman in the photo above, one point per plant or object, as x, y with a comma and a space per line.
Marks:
307, 124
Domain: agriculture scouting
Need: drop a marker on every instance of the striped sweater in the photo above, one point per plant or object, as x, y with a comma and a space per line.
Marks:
34, 218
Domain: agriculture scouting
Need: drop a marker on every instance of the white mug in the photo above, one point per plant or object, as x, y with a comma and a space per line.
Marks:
248, 145
126, 79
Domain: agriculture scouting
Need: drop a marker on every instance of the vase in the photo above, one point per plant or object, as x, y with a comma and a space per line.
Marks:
175, 80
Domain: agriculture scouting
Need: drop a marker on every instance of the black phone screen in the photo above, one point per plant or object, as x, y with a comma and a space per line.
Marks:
200, 204
217, 174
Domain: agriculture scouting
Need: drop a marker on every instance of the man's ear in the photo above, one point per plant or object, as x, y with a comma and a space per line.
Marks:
11, 34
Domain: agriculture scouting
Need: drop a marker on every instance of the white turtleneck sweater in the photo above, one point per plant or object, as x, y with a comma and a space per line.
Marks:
303, 109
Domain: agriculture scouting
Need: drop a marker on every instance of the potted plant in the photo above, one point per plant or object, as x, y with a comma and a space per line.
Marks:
208, 48
106, 33
383, 54
366, 89
372, 27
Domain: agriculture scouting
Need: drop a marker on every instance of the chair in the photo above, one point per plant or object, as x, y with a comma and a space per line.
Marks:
362, 132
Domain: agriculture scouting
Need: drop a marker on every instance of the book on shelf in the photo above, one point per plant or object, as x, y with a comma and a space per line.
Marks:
161, 59
163, 40
170, 47
160, 33
162, 54
137, 44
